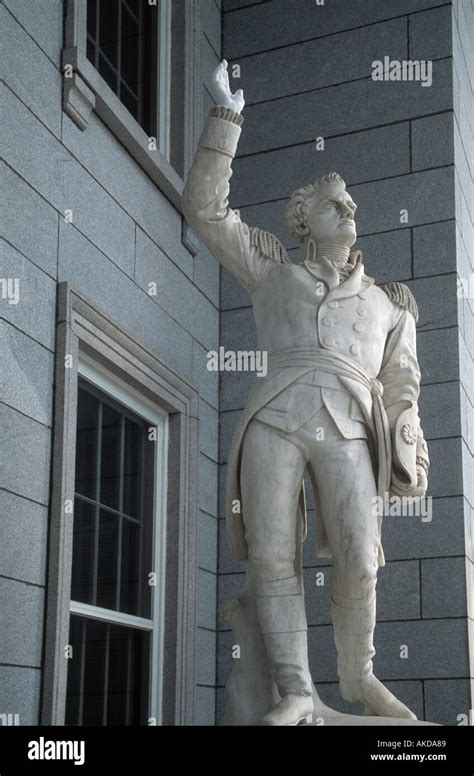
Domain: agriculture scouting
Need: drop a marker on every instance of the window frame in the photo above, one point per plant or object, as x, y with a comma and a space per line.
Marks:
112, 386
84, 90
85, 335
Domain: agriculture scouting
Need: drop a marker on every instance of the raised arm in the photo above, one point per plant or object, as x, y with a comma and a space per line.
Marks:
205, 195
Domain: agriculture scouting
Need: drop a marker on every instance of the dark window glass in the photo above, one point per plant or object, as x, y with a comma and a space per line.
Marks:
112, 558
108, 674
122, 43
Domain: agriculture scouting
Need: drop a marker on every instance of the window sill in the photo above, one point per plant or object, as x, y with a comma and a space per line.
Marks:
86, 91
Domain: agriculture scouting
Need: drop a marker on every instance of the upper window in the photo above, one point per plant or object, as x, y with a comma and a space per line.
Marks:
124, 38
129, 60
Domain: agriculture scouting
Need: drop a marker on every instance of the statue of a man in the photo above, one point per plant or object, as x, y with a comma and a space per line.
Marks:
339, 400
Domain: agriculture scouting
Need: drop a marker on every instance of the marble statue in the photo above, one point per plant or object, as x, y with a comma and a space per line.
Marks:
339, 401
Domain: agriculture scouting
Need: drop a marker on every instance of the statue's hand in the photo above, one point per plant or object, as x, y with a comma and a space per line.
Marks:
221, 90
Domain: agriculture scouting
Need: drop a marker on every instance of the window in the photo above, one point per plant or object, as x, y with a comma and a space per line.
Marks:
128, 60
114, 671
127, 42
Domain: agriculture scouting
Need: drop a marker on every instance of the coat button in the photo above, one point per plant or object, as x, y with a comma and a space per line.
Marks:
355, 349
327, 321
329, 342
361, 311
358, 327
363, 295
333, 304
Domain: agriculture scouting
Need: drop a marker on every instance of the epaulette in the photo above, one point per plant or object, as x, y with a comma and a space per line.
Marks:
269, 245
400, 294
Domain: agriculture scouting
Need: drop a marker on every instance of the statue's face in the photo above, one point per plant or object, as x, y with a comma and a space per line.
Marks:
331, 217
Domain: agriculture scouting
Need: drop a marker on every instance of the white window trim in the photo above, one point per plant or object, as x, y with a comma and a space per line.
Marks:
84, 91
112, 386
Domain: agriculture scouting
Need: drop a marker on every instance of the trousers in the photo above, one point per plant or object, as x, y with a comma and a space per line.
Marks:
272, 469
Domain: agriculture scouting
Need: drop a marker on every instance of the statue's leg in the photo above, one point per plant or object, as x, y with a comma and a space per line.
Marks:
271, 475
346, 486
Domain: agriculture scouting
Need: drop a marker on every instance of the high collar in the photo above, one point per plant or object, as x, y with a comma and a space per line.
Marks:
357, 280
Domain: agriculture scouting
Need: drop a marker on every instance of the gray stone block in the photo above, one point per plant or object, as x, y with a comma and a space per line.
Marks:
317, 586
28, 384
336, 110
209, 61
29, 223
208, 430
398, 591
22, 57
446, 700
95, 276
228, 422
97, 216
410, 537
436, 649
115, 169
322, 653
229, 586
44, 23
206, 657
21, 637
206, 382
35, 312
434, 248
432, 141
205, 706
443, 587
387, 256
269, 25
359, 157
26, 452
207, 485
206, 599
440, 410
233, 295
445, 468
20, 693
38, 163
207, 542
175, 293
227, 564
225, 661
211, 24
438, 355
206, 275
430, 34
274, 73
24, 531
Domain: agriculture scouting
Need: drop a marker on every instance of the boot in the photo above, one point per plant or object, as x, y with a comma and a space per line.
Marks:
353, 634
282, 619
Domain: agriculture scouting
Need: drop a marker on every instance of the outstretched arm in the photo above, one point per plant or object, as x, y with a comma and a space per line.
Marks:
205, 195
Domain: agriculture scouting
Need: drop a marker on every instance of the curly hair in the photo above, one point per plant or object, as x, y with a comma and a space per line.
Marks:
298, 206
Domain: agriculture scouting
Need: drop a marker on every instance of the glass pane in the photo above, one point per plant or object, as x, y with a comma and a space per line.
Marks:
86, 444
129, 65
129, 587
134, 6
118, 662
82, 580
110, 458
94, 673
107, 560
91, 16
108, 73
108, 29
74, 672
90, 51
133, 467
130, 102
